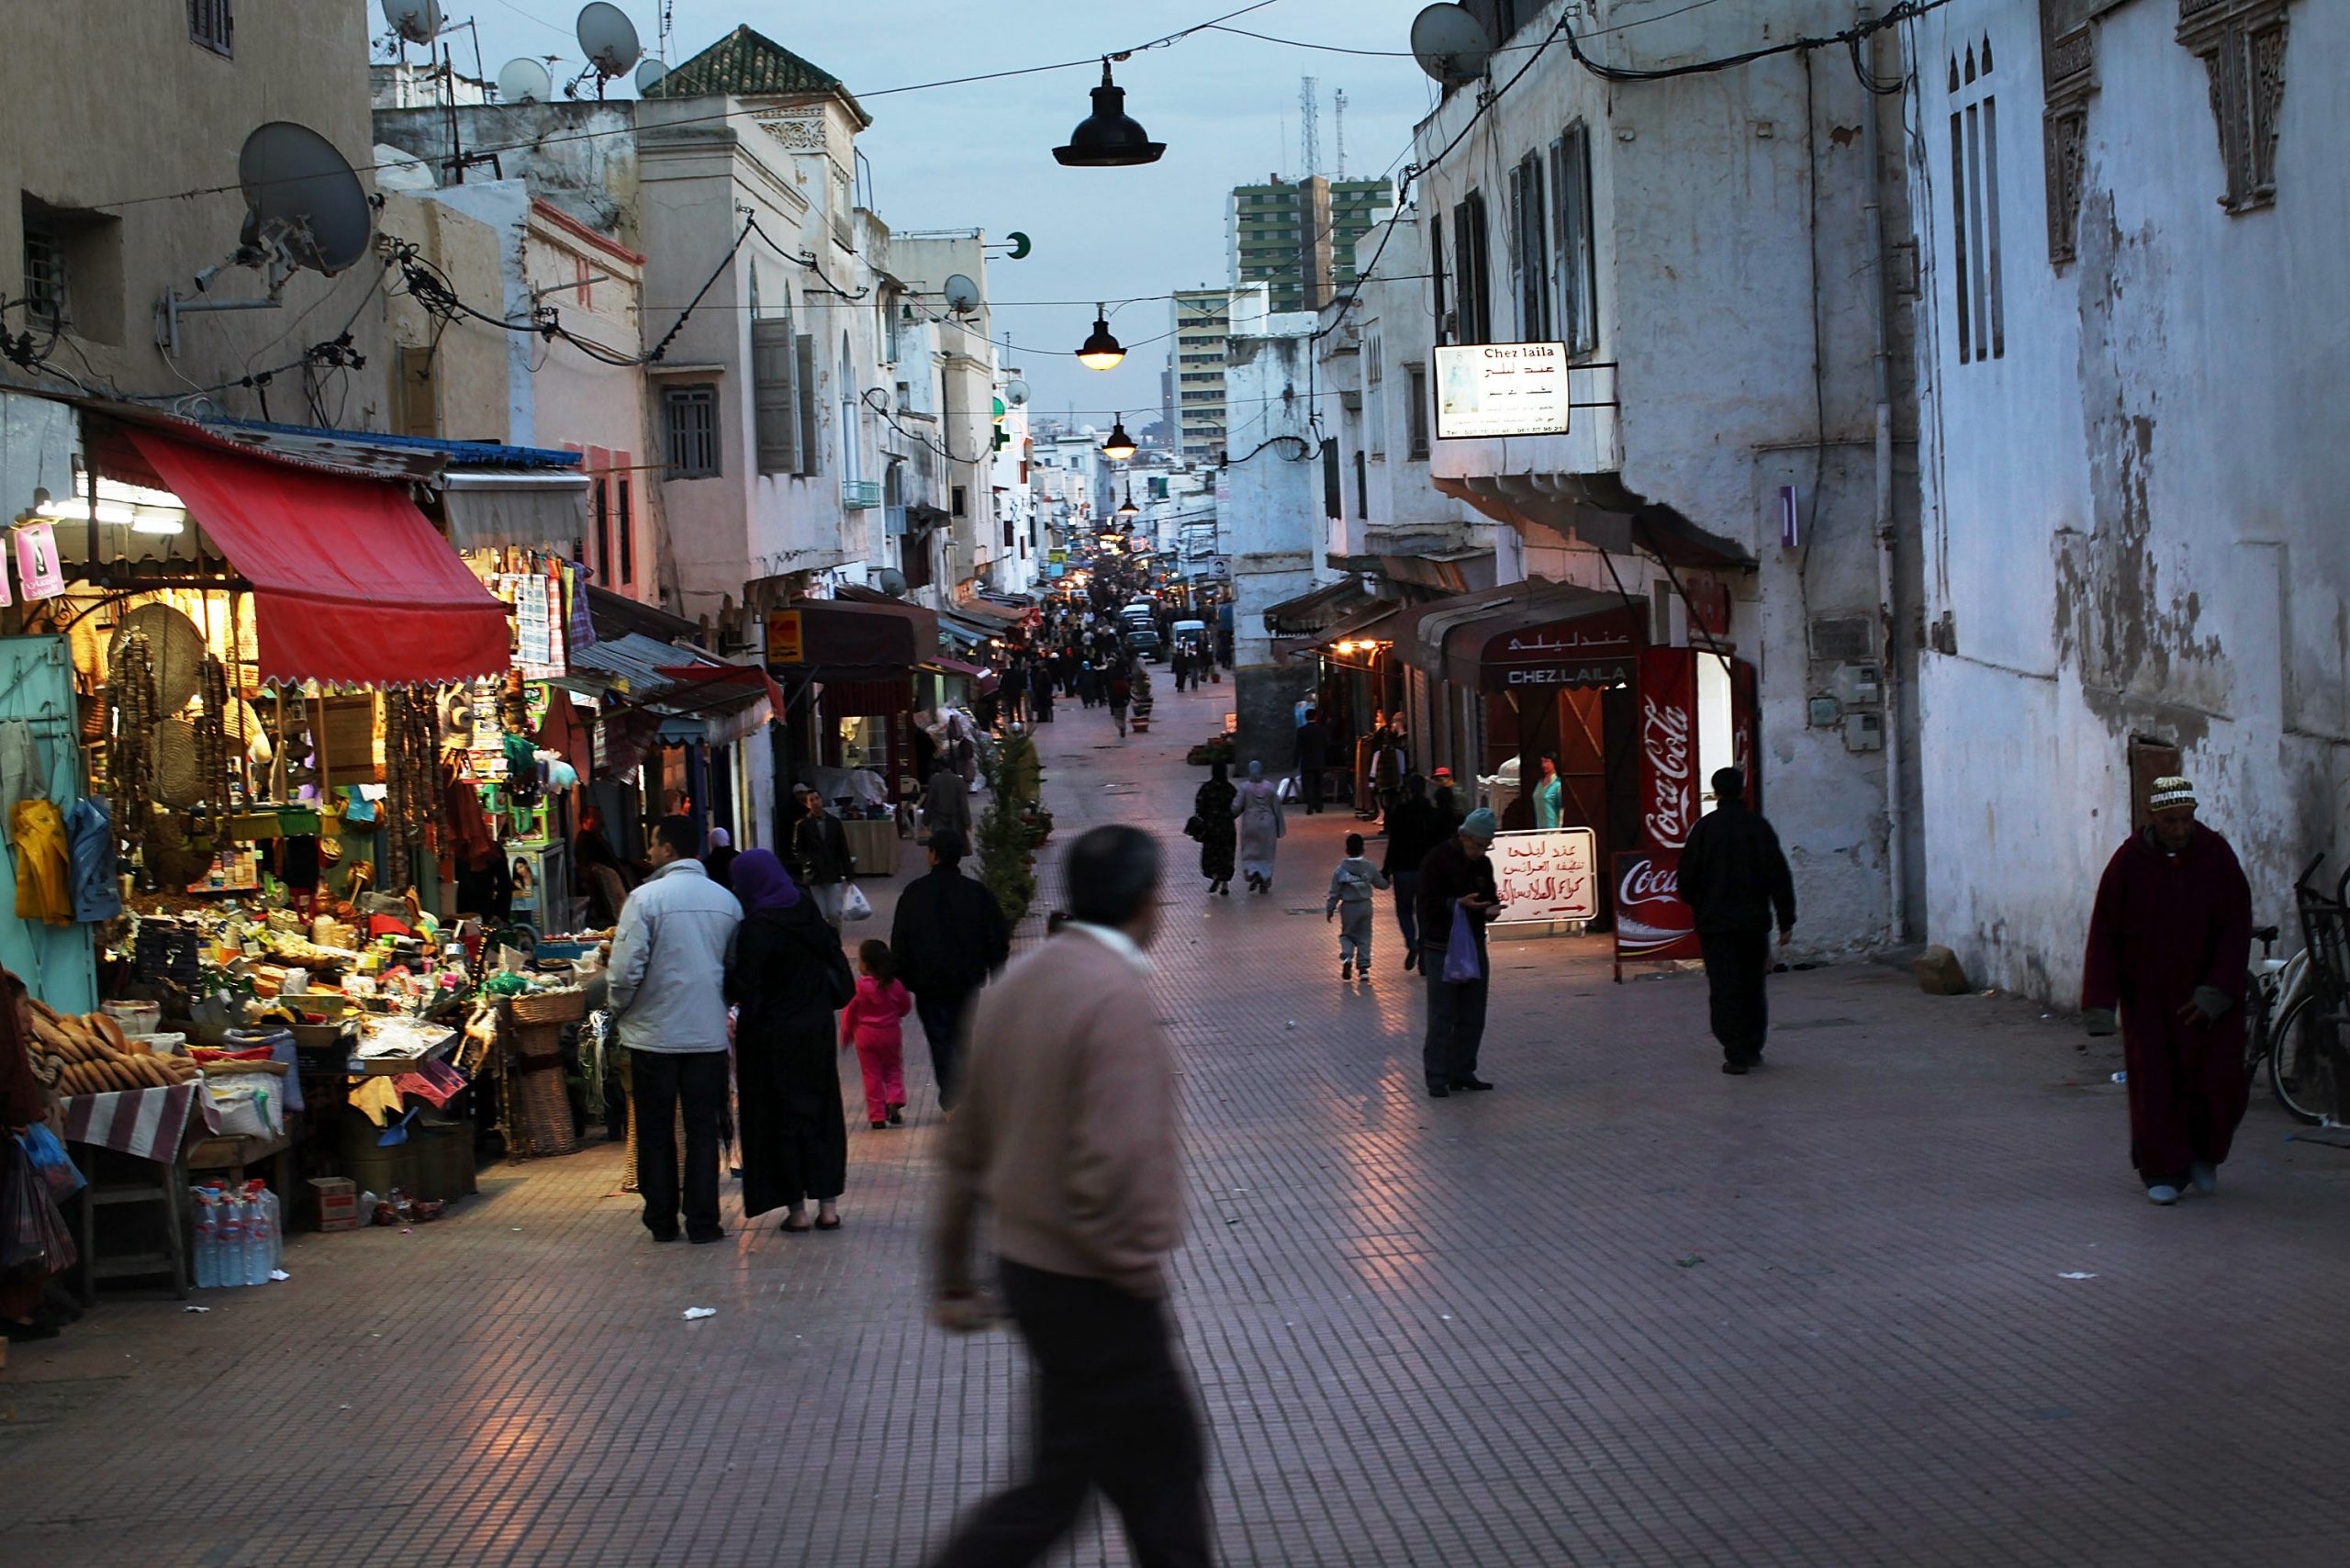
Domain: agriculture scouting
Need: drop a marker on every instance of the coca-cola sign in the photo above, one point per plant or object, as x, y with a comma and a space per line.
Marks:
1669, 796
1651, 922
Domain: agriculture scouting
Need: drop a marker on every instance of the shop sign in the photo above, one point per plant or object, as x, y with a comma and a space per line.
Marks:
1651, 922
1496, 389
1057, 557
1551, 874
1670, 801
784, 645
39, 571
1592, 651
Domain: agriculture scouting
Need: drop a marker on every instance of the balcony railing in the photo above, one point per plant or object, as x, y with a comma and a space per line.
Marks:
857, 495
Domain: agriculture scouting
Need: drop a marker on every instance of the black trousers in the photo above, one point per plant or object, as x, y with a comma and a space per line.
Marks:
1311, 781
658, 1081
1736, 965
1113, 1411
1456, 1023
942, 1014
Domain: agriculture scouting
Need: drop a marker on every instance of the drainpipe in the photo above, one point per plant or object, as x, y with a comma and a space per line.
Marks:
1888, 671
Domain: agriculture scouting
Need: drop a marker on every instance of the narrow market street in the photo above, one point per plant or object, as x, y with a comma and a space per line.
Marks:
1898, 1299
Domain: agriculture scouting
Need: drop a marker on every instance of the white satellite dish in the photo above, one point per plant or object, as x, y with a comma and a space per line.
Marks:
609, 39
649, 76
1015, 393
302, 202
1450, 44
417, 21
962, 295
524, 81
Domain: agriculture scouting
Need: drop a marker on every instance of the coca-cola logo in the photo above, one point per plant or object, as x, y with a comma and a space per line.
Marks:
1645, 881
1665, 742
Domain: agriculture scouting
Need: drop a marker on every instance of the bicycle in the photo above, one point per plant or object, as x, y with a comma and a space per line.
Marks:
2298, 1003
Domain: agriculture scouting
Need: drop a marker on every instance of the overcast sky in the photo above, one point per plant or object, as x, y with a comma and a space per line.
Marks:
980, 155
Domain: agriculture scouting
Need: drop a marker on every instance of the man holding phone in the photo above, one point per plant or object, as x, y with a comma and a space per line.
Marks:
1457, 899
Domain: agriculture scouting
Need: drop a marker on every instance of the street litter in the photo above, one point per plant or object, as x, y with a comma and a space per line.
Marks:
1688, 1262
695, 1314
196, 1309
279, 1274
2077, 1276
2121, 1077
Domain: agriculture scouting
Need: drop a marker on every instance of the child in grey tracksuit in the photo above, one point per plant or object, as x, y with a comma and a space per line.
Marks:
1351, 886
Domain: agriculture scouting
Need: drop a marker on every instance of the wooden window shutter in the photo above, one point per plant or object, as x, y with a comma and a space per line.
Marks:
805, 362
418, 406
775, 391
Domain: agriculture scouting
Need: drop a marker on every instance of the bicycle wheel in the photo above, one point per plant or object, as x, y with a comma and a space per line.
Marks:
2297, 1065
2256, 1043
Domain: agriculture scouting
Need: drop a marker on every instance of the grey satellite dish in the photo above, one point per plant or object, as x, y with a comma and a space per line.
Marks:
1015, 393
1450, 44
649, 76
524, 81
891, 581
417, 21
301, 199
609, 39
962, 295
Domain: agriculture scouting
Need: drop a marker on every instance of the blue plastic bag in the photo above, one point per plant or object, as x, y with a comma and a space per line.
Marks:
1463, 962
48, 1156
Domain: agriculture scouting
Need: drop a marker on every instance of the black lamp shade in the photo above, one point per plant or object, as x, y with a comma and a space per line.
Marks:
1101, 352
1107, 139
1119, 445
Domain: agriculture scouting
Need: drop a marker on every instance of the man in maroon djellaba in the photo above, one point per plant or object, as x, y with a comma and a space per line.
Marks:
2168, 948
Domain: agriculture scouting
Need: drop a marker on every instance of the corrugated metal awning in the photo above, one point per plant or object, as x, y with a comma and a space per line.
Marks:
487, 508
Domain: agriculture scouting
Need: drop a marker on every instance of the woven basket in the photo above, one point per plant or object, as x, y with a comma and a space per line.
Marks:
179, 774
179, 653
567, 1005
539, 1116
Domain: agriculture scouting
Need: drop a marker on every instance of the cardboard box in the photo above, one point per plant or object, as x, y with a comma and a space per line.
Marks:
336, 1201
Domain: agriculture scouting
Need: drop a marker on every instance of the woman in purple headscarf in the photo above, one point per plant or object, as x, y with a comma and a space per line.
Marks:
789, 979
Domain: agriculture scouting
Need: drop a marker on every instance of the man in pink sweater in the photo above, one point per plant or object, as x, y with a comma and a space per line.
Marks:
1067, 1129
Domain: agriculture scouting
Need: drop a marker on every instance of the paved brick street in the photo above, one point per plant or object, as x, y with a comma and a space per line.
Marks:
1625, 1310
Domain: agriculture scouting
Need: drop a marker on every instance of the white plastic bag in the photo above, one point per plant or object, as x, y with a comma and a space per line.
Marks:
853, 903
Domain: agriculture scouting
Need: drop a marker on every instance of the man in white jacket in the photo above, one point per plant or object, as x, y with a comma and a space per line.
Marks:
668, 999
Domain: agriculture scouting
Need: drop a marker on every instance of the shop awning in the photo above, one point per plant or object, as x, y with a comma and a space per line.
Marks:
1310, 613
1598, 509
351, 587
834, 640
487, 508
1363, 623
983, 681
1529, 635
987, 613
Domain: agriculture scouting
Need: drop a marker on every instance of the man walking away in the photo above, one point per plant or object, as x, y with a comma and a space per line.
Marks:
1733, 878
2168, 946
1456, 880
1122, 691
947, 936
821, 846
668, 999
1412, 829
1068, 1131
1313, 758
1351, 886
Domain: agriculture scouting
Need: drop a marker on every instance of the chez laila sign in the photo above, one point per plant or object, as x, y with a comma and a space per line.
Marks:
1496, 389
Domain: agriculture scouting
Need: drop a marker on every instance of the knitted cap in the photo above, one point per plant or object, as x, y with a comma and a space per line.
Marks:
2169, 793
1480, 823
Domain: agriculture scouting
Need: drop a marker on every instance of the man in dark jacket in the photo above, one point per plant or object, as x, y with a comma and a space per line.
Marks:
949, 934
1457, 875
824, 860
1412, 829
1313, 758
1734, 878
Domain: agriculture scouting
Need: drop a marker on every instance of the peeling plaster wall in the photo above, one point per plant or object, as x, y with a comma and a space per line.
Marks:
2133, 517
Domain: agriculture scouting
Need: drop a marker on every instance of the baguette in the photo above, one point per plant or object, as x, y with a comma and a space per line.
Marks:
109, 1031
55, 1040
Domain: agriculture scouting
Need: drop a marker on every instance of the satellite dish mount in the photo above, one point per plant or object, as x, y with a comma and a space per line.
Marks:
305, 210
608, 41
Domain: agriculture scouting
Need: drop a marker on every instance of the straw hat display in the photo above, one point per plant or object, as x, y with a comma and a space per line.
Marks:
179, 653
179, 769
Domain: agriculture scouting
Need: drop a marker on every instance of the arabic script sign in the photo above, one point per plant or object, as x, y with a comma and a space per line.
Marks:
1547, 875
1668, 794
1490, 389
1592, 650
1651, 922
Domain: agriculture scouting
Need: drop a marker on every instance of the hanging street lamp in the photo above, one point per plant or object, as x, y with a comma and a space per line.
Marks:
1118, 445
1129, 509
1101, 352
1107, 139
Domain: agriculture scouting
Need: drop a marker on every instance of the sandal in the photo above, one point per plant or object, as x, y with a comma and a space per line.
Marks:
790, 1229
831, 1224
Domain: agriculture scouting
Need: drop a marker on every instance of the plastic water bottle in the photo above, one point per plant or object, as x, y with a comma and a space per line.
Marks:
260, 1240
229, 1242
276, 1227
207, 1239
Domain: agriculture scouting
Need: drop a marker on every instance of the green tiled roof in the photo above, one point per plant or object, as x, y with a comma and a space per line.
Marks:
749, 64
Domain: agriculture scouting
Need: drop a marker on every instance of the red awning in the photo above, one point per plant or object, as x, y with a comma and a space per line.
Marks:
749, 679
352, 586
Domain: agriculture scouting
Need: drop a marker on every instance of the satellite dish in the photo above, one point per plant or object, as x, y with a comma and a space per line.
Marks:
524, 81
608, 38
417, 21
1015, 392
302, 198
650, 76
962, 295
1450, 44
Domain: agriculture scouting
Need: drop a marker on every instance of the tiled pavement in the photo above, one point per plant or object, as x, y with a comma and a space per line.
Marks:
1625, 1310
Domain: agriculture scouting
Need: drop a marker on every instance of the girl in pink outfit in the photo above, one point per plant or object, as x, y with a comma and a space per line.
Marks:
870, 1024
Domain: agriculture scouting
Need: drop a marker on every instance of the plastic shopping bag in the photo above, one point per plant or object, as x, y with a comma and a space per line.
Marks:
854, 905
56, 1166
1463, 962
35, 1241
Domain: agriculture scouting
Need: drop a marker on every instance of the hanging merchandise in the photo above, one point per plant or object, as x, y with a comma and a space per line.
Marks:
23, 775
38, 567
90, 842
130, 692
44, 873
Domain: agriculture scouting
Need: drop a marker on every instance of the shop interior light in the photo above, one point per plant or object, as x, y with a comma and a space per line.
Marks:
1108, 138
1101, 352
161, 520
